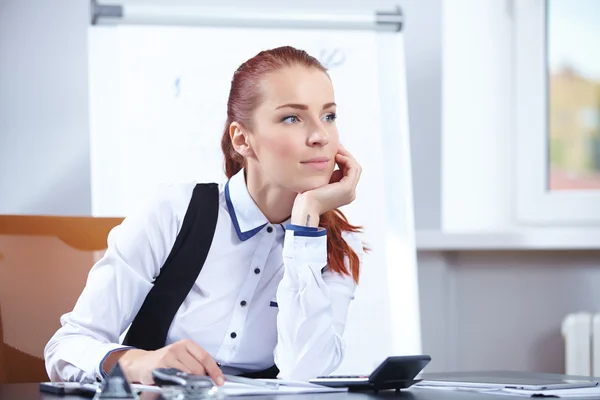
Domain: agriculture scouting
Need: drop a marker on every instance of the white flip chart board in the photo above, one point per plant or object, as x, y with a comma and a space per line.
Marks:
157, 111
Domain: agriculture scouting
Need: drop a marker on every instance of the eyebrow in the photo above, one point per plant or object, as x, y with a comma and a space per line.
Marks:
303, 106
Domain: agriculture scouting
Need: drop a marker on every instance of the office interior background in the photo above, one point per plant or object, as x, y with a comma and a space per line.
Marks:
505, 176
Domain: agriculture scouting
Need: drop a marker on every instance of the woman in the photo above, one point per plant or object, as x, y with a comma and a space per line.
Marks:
283, 263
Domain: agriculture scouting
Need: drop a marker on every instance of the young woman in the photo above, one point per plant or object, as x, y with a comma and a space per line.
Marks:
283, 263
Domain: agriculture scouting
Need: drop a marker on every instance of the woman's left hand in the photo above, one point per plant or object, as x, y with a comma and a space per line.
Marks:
340, 191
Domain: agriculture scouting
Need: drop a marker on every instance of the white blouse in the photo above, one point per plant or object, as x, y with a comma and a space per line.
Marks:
264, 295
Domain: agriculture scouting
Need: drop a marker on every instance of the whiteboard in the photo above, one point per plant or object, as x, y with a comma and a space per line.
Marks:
157, 111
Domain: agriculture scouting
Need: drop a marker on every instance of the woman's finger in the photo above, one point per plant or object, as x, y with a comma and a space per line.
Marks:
336, 176
190, 362
354, 173
343, 162
352, 162
343, 151
359, 170
210, 365
351, 170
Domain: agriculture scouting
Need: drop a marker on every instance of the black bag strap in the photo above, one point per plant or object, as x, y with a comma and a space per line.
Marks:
151, 325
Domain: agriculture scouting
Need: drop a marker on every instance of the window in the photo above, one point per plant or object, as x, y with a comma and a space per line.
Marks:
558, 111
574, 94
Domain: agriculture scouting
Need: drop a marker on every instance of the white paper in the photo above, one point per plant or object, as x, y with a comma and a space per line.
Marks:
239, 389
591, 392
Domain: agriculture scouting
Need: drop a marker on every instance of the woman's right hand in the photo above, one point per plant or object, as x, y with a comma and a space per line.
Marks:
184, 355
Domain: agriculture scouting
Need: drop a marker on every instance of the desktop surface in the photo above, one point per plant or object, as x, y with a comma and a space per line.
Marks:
30, 391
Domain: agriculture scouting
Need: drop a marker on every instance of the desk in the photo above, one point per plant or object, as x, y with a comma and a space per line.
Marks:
30, 391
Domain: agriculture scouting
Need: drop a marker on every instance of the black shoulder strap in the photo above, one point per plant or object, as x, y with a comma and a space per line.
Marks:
151, 325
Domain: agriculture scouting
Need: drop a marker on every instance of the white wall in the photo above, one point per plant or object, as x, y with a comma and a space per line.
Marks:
44, 145
423, 38
481, 309
477, 116
503, 309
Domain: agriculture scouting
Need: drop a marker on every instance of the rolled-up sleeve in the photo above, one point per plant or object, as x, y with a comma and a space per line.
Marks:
313, 305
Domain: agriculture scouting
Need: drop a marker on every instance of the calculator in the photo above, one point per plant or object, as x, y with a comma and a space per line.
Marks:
397, 372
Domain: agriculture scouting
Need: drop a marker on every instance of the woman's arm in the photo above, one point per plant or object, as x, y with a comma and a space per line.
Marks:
313, 301
115, 289
313, 305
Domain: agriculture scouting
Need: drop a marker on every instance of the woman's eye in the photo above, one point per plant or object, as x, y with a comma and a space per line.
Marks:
292, 119
331, 117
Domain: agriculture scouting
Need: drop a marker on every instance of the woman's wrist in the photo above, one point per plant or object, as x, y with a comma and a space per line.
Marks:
124, 358
305, 211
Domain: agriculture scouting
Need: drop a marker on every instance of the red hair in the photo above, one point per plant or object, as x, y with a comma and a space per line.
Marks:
244, 97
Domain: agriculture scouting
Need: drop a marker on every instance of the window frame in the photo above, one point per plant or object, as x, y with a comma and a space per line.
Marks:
536, 205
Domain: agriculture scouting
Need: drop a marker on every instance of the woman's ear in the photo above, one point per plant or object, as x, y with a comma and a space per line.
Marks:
239, 139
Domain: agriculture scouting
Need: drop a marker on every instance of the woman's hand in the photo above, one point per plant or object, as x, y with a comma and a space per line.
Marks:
340, 191
184, 355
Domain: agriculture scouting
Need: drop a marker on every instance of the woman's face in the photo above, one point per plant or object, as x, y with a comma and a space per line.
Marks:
294, 137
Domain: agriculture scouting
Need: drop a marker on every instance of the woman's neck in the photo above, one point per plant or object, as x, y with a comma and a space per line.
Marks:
273, 201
